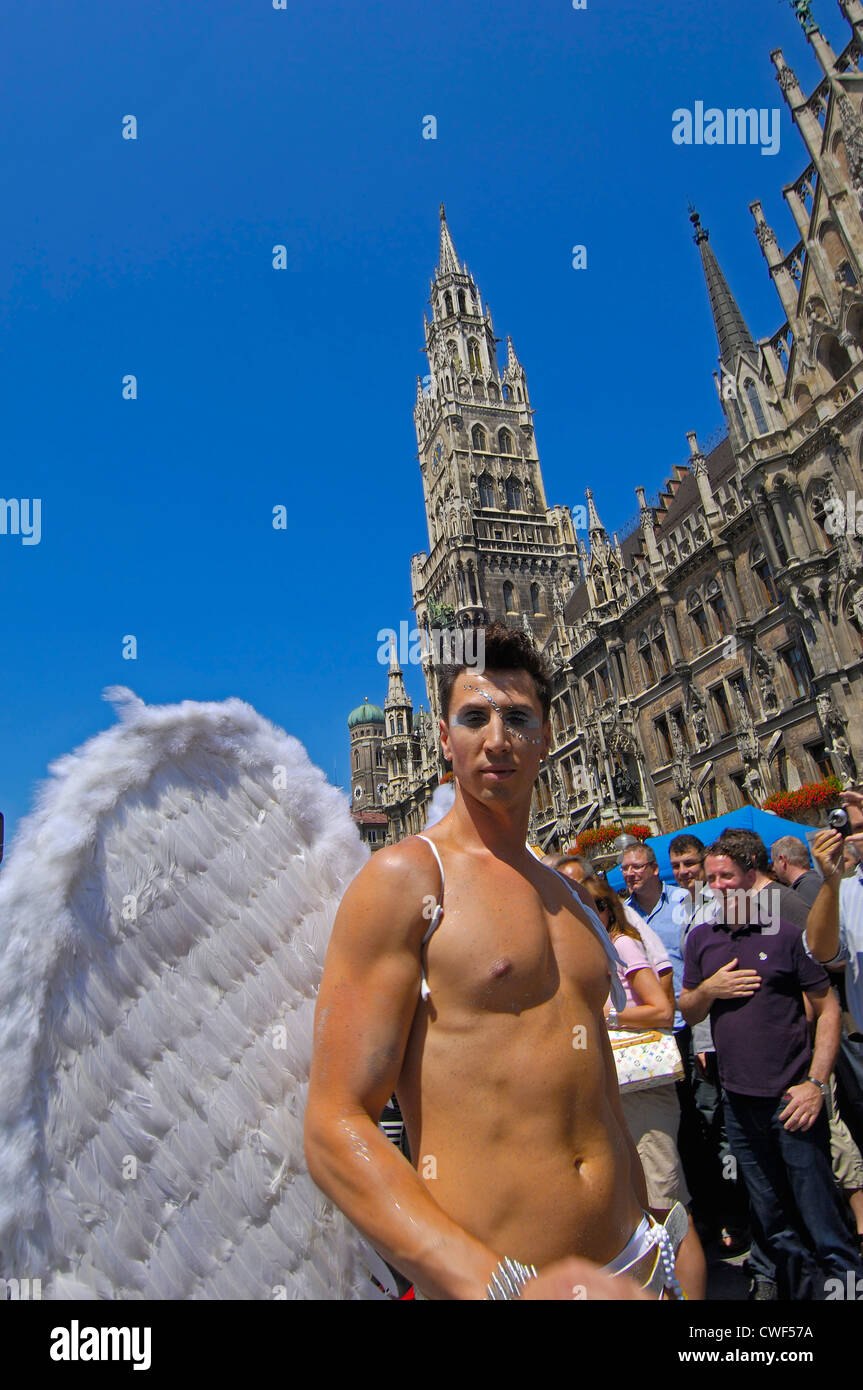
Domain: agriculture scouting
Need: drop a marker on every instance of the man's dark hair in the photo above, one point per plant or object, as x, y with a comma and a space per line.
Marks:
681, 843
737, 845
745, 842
506, 649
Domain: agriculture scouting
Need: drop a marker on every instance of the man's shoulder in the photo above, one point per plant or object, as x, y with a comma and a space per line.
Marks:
702, 931
395, 868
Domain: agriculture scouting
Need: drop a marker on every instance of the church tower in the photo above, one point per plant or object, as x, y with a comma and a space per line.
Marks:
496, 549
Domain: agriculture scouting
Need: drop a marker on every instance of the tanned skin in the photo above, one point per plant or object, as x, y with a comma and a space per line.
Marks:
505, 1077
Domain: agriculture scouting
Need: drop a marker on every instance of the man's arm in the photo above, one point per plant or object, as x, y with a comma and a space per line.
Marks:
366, 1004
822, 924
727, 983
805, 1099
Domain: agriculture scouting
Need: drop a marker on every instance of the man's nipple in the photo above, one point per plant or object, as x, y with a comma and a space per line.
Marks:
500, 968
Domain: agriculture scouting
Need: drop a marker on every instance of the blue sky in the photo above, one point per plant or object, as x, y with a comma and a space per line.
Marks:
259, 388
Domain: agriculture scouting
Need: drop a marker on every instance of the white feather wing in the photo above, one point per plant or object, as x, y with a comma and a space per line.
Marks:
164, 916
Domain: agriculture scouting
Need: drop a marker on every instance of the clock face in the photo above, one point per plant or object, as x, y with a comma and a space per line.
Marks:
437, 456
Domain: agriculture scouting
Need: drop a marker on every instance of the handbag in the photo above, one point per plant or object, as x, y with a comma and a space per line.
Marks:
645, 1060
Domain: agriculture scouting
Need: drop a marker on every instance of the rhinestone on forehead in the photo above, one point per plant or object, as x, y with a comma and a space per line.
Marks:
466, 685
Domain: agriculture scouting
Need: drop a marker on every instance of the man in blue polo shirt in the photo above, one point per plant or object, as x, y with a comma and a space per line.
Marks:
751, 979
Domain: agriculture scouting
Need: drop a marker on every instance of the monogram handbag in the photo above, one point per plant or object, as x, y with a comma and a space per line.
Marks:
645, 1059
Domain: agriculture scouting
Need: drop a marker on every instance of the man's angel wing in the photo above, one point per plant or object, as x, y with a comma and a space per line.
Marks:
164, 916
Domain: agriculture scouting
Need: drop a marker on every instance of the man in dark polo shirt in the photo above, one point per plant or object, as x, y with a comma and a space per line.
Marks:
751, 975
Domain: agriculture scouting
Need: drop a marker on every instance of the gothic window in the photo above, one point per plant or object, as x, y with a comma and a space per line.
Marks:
602, 673
513, 495
379, 760
663, 739
475, 365
505, 444
723, 713
509, 597
471, 579
832, 355
717, 603
507, 391
447, 300
695, 608
818, 754
590, 687
462, 302
754, 402
478, 389
646, 657
798, 670
661, 646
760, 566
534, 598
493, 393
599, 585
738, 782
486, 491
519, 392
708, 797
401, 724
478, 438
356, 761
566, 705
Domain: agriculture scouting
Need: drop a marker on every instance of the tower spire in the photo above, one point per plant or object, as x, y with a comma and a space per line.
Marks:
735, 340
448, 262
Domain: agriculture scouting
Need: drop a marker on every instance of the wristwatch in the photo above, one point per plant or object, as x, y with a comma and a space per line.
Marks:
820, 1084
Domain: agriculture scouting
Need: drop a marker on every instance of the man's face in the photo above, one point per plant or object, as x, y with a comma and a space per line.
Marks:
572, 870
725, 878
637, 870
779, 865
495, 734
687, 868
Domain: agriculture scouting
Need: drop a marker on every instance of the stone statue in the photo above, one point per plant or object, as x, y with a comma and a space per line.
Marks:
623, 787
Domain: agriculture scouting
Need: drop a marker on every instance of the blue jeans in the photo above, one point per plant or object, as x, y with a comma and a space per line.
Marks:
793, 1195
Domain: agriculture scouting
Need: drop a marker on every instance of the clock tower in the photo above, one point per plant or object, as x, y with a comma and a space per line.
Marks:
496, 549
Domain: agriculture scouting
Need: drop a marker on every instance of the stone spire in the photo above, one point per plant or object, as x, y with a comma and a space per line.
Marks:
448, 262
734, 337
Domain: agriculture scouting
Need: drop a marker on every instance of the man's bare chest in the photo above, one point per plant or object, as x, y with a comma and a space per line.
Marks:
502, 945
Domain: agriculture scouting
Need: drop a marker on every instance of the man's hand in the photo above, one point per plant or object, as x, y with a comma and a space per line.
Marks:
827, 849
701, 1060
729, 983
804, 1104
579, 1279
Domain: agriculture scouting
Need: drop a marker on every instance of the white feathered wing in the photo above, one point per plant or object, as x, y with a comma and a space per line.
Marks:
164, 916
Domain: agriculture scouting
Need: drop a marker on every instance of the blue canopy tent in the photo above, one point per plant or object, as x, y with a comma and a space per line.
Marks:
764, 823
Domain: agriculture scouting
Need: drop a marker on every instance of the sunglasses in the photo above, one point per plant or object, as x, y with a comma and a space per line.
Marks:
601, 903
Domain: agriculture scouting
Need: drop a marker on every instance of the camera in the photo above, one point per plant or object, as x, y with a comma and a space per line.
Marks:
839, 820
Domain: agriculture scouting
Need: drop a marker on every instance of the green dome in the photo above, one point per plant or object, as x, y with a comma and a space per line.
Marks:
365, 714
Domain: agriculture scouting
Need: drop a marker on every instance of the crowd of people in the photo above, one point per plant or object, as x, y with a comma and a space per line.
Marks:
751, 958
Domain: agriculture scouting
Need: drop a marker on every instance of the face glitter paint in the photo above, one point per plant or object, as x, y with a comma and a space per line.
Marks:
515, 721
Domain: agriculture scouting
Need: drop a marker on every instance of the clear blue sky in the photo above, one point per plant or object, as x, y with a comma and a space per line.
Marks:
260, 387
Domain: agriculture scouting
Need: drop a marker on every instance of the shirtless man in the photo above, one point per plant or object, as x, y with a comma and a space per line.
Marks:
504, 1072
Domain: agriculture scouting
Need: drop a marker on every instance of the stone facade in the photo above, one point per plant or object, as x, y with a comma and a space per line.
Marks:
714, 653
